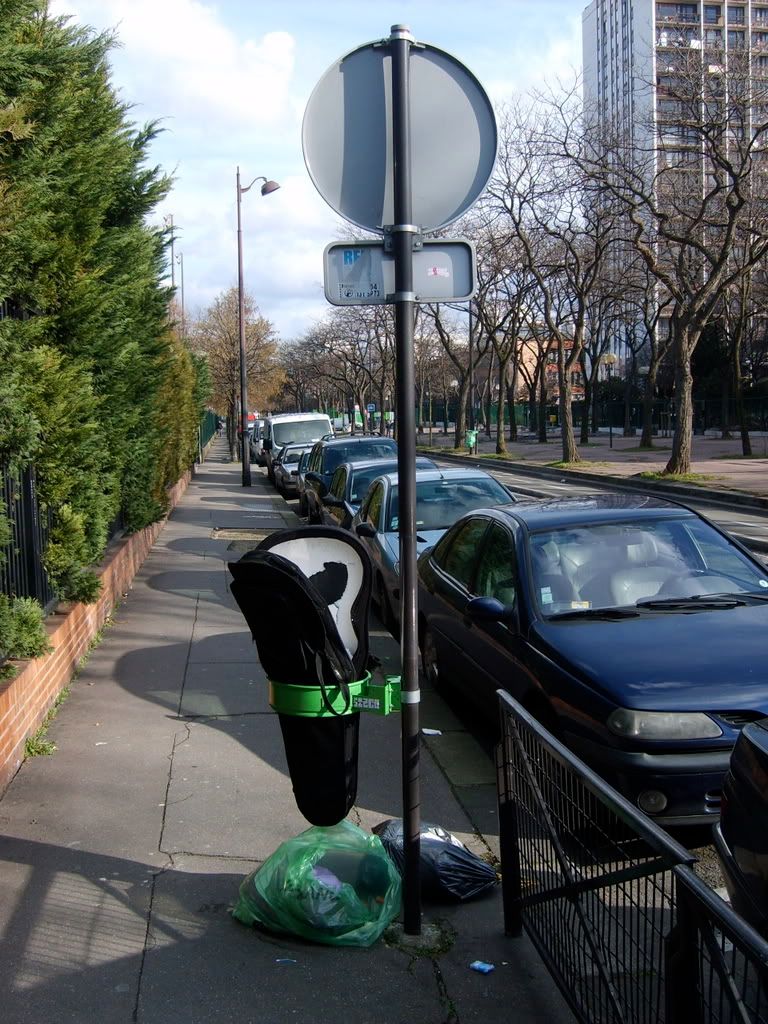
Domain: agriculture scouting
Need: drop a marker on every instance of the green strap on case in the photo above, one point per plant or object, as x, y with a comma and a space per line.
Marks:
331, 701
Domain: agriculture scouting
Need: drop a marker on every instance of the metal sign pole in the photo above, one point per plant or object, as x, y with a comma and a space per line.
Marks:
402, 235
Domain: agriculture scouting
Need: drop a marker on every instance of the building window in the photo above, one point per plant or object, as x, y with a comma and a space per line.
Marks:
735, 15
711, 14
735, 39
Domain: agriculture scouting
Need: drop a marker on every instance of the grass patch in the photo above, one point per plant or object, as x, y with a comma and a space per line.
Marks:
37, 745
582, 464
678, 478
738, 456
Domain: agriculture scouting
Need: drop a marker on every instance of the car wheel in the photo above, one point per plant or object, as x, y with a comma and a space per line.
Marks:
429, 661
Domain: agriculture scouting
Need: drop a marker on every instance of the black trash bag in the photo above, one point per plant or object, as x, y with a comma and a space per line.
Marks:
449, 872
305, 595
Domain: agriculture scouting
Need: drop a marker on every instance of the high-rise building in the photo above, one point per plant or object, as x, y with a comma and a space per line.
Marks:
633, 50
686, 85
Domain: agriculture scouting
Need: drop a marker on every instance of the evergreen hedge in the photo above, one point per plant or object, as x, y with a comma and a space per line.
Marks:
97, 391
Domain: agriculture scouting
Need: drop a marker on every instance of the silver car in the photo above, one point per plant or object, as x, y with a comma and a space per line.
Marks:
442, 495
286, 469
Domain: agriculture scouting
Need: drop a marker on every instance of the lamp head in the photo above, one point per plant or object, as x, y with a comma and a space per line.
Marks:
269, 186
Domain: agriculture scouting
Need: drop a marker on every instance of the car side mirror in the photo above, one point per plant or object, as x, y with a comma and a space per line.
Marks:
490, 609
332, 501
365, 530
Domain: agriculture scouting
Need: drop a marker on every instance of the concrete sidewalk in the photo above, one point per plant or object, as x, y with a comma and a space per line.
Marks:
121, 854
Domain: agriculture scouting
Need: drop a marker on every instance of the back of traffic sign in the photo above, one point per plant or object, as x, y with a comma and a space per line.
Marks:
347, 140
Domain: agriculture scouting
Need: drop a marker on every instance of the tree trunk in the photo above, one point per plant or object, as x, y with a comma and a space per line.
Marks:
725, 395
680, 459
741, 408
542, 417
501, 444
629, 430
461, 415
588, 391
533, 408
646, 436
511, 389
570, 451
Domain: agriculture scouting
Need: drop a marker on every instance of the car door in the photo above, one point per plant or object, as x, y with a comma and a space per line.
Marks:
449, 588
332, 515
370, 512
310, 486
494, 650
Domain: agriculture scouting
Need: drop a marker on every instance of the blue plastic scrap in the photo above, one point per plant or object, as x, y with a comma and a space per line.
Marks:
481, 967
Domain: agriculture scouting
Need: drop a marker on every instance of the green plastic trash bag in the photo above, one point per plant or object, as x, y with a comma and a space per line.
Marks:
332, 885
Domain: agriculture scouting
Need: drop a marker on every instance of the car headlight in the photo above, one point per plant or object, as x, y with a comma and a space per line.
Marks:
663, 725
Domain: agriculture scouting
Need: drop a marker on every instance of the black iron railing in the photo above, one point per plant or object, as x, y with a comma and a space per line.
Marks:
625, 927
21, 562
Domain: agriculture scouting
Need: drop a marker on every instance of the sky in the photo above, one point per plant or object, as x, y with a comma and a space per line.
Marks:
229, 82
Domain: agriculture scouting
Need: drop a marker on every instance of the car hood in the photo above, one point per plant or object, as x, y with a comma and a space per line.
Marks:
677, 660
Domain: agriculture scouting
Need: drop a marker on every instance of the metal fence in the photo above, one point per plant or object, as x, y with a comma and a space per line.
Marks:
21, 567
625, 927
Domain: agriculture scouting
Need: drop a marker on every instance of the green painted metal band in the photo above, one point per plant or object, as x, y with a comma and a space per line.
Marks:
307, 701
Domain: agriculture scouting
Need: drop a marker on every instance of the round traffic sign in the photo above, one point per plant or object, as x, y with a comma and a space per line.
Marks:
347, 137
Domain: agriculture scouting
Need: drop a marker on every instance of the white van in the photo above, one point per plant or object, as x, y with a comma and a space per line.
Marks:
291, 428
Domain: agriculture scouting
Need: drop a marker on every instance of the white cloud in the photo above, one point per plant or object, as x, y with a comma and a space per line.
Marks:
180, 56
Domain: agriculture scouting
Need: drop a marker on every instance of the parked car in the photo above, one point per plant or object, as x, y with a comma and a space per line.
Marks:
350, 483
633, 628
301, 482
291, 428
741, 836
329, 453
286, 468
256, 440
442, 495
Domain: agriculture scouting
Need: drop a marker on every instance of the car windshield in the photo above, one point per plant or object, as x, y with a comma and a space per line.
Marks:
439, 503
358, 451
299, 430
628, 564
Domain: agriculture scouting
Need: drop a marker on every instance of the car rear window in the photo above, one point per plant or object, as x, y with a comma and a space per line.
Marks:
358, 452
439, 503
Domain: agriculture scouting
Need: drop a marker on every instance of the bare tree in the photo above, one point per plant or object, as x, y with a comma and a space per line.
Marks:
216, 335
694, 196
567, 235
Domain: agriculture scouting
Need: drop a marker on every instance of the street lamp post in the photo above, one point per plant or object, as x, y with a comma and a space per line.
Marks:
266, 188
609, 359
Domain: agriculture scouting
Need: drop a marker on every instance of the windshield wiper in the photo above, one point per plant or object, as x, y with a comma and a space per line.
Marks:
697, 602
596, 613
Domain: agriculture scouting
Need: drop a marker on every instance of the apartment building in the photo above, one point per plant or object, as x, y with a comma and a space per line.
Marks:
631, 50
656, 72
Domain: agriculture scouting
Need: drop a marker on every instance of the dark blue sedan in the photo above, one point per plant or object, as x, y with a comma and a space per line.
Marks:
633, 628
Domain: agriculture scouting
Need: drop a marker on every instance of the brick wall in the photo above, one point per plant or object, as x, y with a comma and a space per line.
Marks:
25, 699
